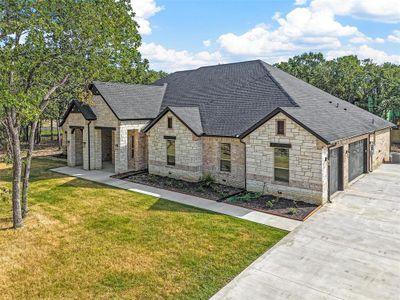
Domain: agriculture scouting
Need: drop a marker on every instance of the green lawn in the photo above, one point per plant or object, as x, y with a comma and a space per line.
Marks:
84, 240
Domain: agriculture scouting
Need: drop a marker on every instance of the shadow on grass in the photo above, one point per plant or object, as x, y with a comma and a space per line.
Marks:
167, 205
5, 224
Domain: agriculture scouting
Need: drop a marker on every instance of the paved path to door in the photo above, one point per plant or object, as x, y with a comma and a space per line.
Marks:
239, 212
349, 249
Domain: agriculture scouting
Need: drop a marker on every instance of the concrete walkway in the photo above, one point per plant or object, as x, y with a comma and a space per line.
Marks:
349, 249
235, 211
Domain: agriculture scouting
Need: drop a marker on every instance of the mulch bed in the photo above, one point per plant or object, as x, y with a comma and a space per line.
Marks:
297, 210
204, 189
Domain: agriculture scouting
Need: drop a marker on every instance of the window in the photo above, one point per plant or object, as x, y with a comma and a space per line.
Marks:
132, 146
225, 158
280, 127
170, 122
281, 161
171, 152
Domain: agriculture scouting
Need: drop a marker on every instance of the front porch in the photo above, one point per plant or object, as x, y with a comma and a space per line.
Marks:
113, 149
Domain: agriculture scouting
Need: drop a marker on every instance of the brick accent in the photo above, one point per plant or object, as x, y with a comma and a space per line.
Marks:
139, 161
211, 160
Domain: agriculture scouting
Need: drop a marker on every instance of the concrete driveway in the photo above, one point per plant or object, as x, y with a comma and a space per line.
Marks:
350, 249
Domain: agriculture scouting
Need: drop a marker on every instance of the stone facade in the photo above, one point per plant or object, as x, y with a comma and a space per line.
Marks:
95, 135
252, 159
188, 150
381, 152
211, 160
307, 162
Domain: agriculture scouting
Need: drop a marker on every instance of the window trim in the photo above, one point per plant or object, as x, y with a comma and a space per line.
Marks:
288, 168
174, 156
277, 127
225, 160
170, 123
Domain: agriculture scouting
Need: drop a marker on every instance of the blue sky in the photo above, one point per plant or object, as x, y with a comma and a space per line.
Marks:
186, 34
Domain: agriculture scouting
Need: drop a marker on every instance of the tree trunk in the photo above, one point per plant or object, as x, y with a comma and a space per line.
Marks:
59, 141
51, 129
27, 170
13, 130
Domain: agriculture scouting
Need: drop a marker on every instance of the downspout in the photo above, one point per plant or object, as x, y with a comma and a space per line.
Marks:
89, 144
245, 164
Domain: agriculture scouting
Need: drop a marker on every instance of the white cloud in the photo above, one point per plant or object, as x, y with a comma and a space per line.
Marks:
207, 43
364, 52
364, 39
300, 29
394, 37
170, 60
300, 2
144, 9
387, 11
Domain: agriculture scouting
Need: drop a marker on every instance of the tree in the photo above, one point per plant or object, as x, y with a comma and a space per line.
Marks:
362, 82
50, 48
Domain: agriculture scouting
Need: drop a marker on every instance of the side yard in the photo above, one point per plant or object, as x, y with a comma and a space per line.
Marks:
86, 240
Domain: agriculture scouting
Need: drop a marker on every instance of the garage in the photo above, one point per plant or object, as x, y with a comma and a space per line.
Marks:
357, 159
335, 170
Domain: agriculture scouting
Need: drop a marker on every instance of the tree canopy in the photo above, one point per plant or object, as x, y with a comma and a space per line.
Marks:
362, 82
50, 50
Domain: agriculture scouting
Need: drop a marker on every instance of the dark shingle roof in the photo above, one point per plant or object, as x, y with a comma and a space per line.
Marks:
190, 116
131, 101
232, 98
328, 116
84, 108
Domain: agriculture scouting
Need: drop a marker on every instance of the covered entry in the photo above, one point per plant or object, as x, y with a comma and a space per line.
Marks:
335, 170
107, 147
357, 159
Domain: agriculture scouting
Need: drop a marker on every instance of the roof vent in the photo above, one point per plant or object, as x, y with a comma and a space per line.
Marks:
373, 121
345, 108
337, 104
330, 101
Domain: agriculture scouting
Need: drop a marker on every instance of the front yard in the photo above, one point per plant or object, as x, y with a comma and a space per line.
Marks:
84, 240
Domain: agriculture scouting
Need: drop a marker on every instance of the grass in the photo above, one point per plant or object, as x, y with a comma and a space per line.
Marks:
84, 240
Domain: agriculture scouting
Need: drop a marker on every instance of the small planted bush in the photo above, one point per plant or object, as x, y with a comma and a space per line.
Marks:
269, 204
292, 210
207, 180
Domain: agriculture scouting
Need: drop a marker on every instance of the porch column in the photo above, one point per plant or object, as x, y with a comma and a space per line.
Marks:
97, 151
88, 147
121, 149
70, 148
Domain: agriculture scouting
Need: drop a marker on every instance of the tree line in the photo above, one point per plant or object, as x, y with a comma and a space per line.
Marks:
373, 87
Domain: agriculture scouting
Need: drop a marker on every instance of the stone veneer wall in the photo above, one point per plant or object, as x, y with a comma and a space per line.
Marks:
308, 168
382, 148
188, 150
105, 118
211, 160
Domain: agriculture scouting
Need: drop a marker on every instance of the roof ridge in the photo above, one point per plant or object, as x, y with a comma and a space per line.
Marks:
125, 83
276, 82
